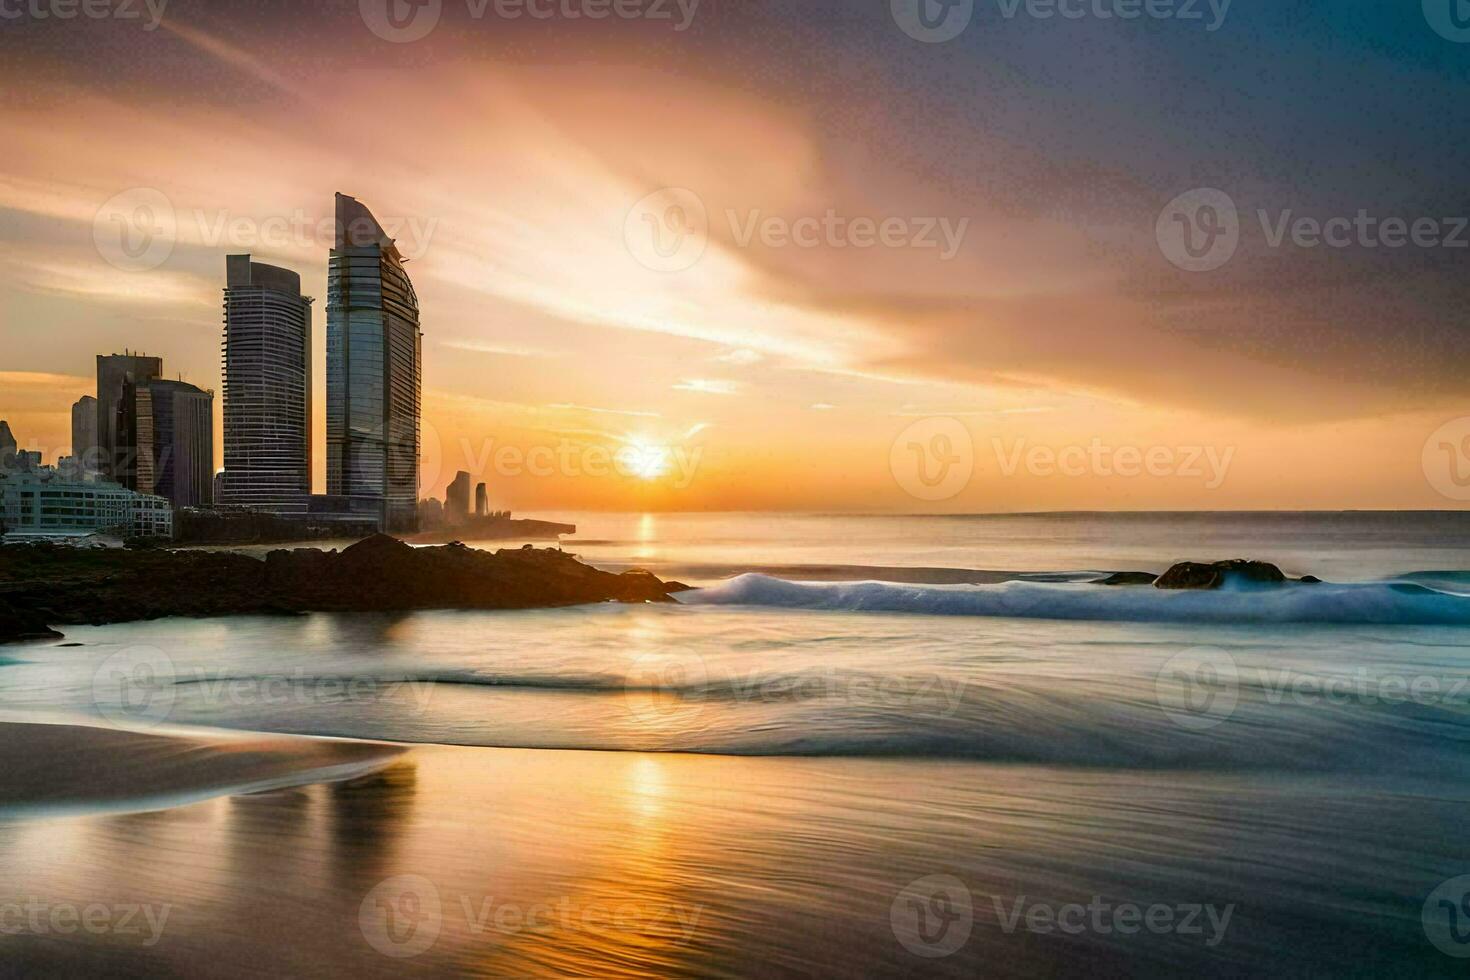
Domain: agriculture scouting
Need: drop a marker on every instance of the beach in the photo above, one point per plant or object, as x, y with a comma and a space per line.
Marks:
773, 776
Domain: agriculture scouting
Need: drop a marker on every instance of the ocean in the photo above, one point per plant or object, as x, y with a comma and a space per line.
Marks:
879, 746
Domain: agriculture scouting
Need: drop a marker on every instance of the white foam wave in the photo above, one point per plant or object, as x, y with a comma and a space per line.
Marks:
1369, 603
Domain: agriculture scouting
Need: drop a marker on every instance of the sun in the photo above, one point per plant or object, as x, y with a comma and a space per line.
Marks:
645, 460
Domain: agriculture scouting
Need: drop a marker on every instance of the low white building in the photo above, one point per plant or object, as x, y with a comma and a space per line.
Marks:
44, 503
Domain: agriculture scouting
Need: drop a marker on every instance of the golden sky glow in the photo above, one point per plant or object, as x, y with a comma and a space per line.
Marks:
764, 375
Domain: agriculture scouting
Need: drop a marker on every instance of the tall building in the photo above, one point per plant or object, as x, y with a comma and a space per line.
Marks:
482, 500
267, 388
84, 435
116, 416
175, 439
457, 499
374, 370
8, 446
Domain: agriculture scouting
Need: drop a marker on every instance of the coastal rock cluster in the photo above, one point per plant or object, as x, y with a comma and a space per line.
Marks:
44, 585
1208, 575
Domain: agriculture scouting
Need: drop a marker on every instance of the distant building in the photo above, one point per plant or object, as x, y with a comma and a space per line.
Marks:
42, 503
482, 500
457, 499
117, 415
84, 436
7, 446
175, 441
374, 369
431, 514
267, 388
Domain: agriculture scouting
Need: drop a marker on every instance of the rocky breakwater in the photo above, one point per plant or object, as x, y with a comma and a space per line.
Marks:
1209, 575
43, 586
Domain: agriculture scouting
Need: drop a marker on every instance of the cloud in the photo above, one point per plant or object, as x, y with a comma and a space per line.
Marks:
707, 386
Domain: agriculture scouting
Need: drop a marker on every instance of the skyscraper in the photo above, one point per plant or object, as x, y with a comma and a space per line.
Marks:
374, 370
84, 435
267, 388
175, 440
116, 417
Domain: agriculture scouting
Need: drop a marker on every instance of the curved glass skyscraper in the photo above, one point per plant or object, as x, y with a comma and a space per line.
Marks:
267, 388
374, 372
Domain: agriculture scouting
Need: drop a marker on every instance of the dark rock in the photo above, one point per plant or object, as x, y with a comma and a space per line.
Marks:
66, 585
1199, 575
1129, 578
23, 624
1310, 580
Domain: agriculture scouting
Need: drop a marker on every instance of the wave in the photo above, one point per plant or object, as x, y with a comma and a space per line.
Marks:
1367, 603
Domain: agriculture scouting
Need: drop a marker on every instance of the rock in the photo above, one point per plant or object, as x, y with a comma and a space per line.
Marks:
379, 573
1199, 575
1129, 578
1310, 580
22, 624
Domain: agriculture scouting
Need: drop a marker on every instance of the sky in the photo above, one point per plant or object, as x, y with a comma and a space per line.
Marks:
815, 255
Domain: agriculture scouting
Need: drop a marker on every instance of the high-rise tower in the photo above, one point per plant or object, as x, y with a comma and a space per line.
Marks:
374, 371
117, 438
175, 440
267, 388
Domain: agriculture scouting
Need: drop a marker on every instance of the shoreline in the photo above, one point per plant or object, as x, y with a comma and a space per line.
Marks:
117, 769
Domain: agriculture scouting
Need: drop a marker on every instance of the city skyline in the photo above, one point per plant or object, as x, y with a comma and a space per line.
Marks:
1035, 307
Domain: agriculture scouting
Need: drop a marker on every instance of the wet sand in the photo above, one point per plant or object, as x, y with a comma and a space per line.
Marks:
50, 768
507, 862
